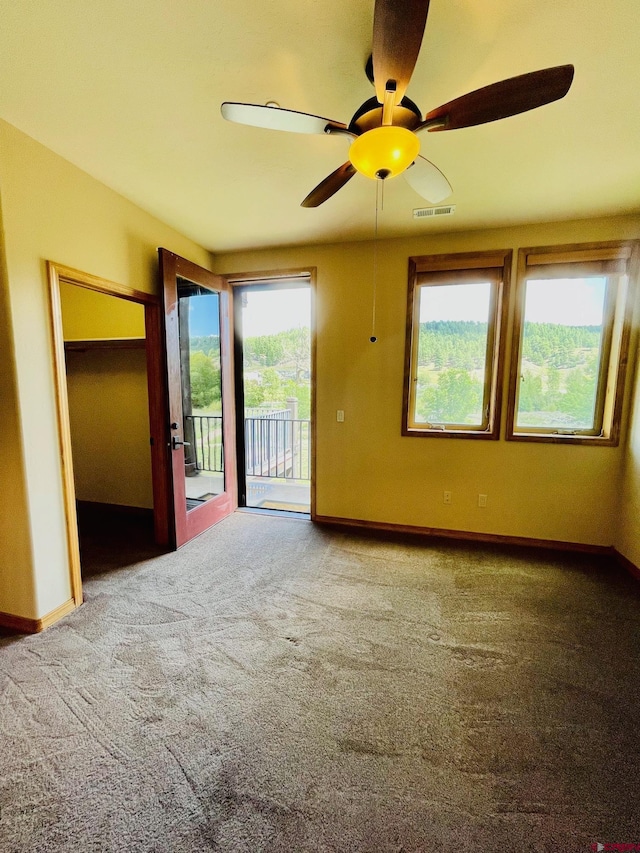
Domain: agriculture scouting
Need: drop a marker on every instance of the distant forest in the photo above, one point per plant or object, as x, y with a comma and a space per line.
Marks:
559, 373
558, 377
463, 344
205, 344
276, 367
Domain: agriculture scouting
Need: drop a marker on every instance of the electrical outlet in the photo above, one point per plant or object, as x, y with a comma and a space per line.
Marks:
340, 416
482, 500
446, 497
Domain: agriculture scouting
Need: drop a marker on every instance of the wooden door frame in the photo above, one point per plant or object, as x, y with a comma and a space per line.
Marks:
241, 279
156, 383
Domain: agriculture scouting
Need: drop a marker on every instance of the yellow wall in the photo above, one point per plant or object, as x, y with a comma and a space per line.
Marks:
52, 210
16, 589
89, 314
628, 535
109, 416
367, 470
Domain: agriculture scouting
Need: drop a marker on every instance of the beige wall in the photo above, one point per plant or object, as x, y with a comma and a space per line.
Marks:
52, 210
367, 470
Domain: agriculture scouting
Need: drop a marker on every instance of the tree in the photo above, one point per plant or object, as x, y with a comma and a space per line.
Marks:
580, 397
272, 386
297, 347
302, 393
267, 350
253, 393
531, 395
205, 380
552, 393
456, 399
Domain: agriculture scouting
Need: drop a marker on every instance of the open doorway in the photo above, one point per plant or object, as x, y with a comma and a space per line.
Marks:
273, 320
108, 402
109, 376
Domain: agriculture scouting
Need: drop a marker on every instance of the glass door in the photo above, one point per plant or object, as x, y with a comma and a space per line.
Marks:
201, 408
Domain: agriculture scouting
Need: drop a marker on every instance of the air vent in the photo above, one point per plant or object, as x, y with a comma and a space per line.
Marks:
445, 210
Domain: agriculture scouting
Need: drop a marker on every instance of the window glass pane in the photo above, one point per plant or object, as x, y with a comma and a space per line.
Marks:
561, 353
200, 368
451, 354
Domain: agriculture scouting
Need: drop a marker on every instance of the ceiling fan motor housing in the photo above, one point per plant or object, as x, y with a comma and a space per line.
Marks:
369, 115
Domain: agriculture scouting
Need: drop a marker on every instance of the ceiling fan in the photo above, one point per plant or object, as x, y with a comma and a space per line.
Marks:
384, 129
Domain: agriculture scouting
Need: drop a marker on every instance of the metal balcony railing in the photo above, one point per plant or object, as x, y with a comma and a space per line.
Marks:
276, 445
204, 432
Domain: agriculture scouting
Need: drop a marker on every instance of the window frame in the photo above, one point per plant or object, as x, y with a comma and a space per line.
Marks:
436, 270
615, 260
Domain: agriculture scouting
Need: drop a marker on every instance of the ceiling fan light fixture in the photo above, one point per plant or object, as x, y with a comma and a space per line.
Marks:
384, 151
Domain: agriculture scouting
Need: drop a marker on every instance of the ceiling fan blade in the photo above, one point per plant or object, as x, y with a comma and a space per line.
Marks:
398, 28
500, 100
277, 118
331, 184
428, 181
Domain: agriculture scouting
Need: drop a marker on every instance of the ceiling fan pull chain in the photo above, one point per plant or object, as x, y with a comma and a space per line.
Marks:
379, 196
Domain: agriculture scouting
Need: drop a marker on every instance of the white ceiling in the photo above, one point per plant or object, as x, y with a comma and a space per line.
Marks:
131, 91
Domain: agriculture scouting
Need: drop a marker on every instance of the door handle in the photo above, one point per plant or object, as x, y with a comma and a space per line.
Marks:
175, 443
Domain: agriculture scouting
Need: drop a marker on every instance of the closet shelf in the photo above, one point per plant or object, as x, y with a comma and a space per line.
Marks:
104, 343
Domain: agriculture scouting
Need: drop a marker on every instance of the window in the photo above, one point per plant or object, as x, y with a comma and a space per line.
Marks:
571, 337
455, 327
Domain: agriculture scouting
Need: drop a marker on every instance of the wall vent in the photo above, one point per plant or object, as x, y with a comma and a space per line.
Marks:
445, 210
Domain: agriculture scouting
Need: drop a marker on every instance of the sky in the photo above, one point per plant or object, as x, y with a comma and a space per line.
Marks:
268, 312
204, 315
569, 302
453, 302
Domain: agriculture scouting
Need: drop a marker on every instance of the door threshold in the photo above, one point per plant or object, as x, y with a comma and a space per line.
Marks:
279, 513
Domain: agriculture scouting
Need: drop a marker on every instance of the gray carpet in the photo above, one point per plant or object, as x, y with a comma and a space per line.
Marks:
276, 687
